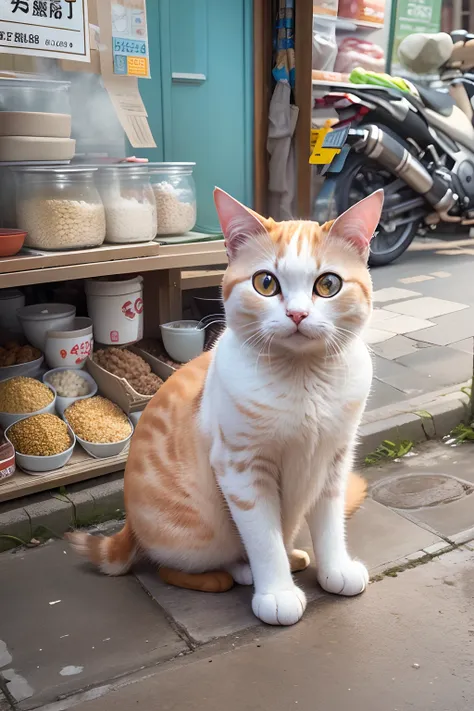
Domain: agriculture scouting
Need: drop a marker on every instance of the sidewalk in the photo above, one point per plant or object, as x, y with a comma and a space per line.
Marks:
423, 323
67, 629
407, 644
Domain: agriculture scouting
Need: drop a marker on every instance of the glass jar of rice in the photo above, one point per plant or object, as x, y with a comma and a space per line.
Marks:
59, 207
175, 195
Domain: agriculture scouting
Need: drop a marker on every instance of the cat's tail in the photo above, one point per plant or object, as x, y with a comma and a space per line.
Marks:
356, 492
113, 555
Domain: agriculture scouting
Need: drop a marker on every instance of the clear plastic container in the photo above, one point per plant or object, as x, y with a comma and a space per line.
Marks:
175, 195
59, 207
27, 93
130, 208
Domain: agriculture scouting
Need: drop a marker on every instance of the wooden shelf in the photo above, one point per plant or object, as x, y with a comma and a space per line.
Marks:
164, 288
199, 279
79, 468
26, 269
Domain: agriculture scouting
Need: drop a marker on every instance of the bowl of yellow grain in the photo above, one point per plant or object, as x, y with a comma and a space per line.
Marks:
100, 426
21, 397
42, 442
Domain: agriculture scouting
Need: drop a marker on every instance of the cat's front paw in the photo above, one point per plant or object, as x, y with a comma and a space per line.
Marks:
281, 607
348, 578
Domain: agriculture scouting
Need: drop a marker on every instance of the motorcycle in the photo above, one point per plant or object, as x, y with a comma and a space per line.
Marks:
417, 145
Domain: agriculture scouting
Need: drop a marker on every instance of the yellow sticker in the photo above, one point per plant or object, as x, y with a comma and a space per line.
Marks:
137, 66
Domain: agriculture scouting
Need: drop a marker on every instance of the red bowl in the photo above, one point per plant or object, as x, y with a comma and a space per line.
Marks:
11, 241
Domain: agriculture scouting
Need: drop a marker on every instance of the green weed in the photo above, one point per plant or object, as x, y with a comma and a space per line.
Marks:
388, 450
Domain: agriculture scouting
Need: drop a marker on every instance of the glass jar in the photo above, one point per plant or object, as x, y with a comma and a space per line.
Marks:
59, 207
130, 209
175, 195
20, 93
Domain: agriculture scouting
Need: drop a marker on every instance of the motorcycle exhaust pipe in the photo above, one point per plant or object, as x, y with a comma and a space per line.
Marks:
388, 152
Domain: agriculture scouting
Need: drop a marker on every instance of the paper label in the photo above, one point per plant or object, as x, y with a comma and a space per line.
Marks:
123, 90
130, 38
57, 29
130, 109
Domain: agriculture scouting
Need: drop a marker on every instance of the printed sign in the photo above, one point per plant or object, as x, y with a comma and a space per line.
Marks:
130, 38
414, 16
58, 29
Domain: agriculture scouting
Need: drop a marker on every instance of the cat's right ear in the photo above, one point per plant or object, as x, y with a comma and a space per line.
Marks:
238, 222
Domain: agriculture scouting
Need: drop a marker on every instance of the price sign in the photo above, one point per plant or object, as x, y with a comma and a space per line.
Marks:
58, 29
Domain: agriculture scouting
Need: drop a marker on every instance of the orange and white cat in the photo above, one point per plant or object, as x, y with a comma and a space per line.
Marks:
242, 444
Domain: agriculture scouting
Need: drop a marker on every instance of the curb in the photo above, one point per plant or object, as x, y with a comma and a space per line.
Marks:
426, 417
52, 513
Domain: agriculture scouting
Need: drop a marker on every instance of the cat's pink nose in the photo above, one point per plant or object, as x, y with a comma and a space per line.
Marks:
297, 316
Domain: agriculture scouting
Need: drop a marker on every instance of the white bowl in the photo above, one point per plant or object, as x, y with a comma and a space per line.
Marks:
63, 402
39, 465
9, 418
100, 450
38, 319
183, 340
26, 369
70, 346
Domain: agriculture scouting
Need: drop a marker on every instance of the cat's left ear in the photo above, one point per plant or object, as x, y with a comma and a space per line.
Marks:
358, 224
237, 221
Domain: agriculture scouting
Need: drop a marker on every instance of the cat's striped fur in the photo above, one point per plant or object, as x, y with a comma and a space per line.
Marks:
240, 445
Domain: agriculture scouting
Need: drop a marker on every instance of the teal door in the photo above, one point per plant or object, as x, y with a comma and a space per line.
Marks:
199, 99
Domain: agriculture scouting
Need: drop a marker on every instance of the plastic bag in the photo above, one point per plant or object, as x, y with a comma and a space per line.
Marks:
355, 52
324, 44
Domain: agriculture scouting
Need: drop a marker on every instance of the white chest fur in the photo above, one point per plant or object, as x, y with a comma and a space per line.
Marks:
297, 400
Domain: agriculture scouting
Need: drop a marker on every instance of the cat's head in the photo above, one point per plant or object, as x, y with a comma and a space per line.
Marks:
303, 285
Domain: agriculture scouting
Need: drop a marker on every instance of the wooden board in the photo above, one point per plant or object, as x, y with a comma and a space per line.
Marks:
108, 260
200, 279
79, 468
304, 102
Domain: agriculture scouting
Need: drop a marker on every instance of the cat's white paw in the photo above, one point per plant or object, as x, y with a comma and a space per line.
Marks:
348, 578
282, 607
241, 573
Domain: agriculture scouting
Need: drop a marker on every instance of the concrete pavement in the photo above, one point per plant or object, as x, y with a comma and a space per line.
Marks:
423, 324
70, 634
406, 644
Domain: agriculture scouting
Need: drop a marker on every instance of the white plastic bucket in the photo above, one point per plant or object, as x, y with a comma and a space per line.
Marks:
116, 310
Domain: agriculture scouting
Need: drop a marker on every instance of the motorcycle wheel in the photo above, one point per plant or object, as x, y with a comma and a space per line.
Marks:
360, 178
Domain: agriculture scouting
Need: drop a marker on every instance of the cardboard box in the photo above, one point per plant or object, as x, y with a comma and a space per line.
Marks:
119, 390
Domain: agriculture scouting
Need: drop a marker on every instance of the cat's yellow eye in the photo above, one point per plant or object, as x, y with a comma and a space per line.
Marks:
328, 285
266, 284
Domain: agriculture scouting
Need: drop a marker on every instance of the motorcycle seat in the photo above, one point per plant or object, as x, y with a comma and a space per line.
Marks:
436, 100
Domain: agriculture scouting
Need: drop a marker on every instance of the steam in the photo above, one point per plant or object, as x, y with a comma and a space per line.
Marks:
95, 125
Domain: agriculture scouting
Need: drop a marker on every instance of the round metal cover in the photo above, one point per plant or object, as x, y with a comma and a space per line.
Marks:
415, 491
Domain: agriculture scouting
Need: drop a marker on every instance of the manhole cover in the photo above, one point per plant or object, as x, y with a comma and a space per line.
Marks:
417, 491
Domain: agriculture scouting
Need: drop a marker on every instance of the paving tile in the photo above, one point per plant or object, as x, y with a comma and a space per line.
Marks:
379, 536
426, 307
415, 279
447, 519
379, 315
392, 293
375, 335
60, 616
403, 378
207, 616
451, 252
382, 394
448, 329
465, 346
442, 363
396, 347
404, 324
376, 535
